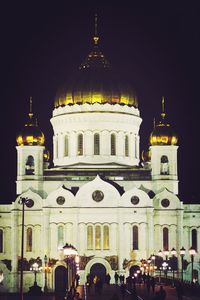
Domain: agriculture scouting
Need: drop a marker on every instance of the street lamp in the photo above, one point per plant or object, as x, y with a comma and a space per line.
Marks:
182, 253
173, 252
153, 262
35, 268
192, 252
70, 253
165, 266
29, 203
46, 268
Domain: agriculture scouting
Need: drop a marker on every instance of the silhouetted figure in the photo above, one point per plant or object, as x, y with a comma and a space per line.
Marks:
179, 291
116, 278
123, 290
108, 278
162, 293
153, 284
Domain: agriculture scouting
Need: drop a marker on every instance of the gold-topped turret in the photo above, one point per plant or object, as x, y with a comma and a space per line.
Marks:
30, 134
162, 133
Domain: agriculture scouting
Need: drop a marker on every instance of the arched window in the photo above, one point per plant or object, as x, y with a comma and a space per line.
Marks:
80, 144
60, 237
1, 241
105, 237
30, 165
66, 145
97, 237
113, 144
165, 238
90, 237
194, 239
96, 144
126, 146
164, 165
29, 239
135, 238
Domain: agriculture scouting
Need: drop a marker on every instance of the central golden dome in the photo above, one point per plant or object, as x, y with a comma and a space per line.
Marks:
96, 82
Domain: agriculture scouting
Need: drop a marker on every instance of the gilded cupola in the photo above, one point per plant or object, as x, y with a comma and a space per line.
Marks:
163, 133
31, 134
95, 81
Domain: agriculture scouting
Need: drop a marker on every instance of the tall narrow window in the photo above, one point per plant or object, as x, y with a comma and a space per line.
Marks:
29, 239
1, 241
164, 165
97, 237
60, 237
135, 238
126, 146
30, 165
194, 239
165, 238
113, 144
105, 237
66, 146
90, 237
80, 144
96, 144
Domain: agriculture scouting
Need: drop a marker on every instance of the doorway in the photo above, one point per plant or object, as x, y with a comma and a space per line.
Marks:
61, 280
98, 270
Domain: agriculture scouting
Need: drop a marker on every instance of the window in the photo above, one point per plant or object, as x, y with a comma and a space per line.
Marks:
29, 239
165, 239
29, 168
164, 165
89, 237
135, 238
66, 146
97, 237
105, 237
60, 237
126, 146
80, 144
194, 239
113, 144
96, 144
1, 241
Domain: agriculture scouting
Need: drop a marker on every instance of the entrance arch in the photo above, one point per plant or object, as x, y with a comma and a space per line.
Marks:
61, 280
97, 260
98, 270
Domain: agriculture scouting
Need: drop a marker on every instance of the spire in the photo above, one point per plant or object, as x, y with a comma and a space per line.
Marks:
30, 108
163, 114
154, 123
95, 38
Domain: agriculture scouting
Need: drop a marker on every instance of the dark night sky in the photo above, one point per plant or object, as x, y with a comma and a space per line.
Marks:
155, 46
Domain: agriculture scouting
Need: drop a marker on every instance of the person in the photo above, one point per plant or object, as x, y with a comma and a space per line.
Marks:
116, 278
179, 291
108, 278
77, 296
162, 293
123, 290
153, 284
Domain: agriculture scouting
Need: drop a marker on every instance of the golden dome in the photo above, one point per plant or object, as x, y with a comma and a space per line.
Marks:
96, 82
30, 135
163, 134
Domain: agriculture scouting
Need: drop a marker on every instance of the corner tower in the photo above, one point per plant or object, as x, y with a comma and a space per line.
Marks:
163, 141
96, 119
30, 152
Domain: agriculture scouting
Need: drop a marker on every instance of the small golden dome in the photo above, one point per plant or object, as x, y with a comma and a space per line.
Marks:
163, 134
30, 135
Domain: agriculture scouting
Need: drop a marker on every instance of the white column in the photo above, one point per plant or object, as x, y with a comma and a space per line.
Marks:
120, 242
150, 231
113, 238
88, 143
105, 143
143, 239
14, 250
81, 242
132, 145
72, 144
45, 232
55, 147
120, 144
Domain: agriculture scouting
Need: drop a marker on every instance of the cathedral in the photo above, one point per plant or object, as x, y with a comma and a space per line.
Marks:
116, 205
